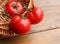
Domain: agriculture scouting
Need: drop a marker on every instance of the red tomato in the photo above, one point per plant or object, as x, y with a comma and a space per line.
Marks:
20, 25
13, 8
35, 16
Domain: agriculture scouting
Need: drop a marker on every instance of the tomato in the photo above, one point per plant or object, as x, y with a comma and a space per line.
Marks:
20, 25
36, 15
13, 8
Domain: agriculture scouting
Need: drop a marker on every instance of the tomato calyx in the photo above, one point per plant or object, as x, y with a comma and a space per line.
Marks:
5, 14
14, 6
28, 9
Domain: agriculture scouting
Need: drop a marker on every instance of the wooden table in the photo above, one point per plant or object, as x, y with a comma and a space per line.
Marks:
48, 31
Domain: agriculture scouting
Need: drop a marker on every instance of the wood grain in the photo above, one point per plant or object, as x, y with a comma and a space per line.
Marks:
49, 37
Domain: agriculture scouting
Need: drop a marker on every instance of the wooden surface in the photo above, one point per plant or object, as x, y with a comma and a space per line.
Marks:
51, 20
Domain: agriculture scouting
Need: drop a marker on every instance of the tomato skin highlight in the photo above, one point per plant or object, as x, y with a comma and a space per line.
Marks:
20, 25
11, 10
36, 15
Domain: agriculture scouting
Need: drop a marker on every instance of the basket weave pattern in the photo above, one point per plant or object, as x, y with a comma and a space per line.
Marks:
4, 21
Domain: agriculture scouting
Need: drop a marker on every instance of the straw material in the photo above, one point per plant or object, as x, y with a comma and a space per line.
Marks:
4, 21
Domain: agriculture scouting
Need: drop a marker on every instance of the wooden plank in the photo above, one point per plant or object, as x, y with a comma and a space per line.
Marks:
49, 37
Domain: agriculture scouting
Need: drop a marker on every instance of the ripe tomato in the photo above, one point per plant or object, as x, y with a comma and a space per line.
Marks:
13, 8
35, 16
20, 25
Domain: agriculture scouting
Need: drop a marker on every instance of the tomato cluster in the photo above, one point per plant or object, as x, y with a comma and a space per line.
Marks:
21, 24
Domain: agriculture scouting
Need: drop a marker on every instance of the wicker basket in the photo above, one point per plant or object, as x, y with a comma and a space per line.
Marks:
4, 21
